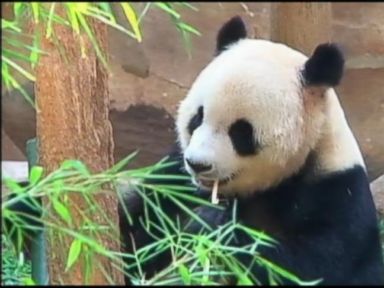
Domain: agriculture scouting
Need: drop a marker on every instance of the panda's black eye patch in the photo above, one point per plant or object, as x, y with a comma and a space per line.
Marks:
243, 140
196, 120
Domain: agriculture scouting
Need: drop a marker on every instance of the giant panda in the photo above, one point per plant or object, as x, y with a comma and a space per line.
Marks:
265, 120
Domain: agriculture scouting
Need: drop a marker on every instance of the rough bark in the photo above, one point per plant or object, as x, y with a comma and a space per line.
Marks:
301, 25
72, 100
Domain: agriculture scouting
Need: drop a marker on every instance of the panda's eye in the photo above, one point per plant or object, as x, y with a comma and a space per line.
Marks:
243, 140
196, 120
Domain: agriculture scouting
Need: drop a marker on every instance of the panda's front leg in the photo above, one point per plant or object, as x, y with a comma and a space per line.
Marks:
135, 234
138, 228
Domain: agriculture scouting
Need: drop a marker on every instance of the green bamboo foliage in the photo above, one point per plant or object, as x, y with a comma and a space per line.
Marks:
209, 255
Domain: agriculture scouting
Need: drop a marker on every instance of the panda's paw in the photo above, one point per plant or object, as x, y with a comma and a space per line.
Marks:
212, 216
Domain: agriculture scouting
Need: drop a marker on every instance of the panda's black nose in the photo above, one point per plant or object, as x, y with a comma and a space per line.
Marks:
198, 167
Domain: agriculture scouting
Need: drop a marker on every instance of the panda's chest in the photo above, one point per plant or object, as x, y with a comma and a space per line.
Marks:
259, 214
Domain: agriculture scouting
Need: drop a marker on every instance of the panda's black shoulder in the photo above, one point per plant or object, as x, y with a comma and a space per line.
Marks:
339, 203
327, 227
338, 197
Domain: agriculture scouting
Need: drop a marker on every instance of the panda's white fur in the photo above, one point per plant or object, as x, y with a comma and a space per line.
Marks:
261, 81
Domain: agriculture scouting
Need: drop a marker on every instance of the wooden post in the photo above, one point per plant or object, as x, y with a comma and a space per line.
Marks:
301, 25
72, 101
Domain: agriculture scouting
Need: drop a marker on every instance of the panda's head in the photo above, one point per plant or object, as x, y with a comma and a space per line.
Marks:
255, 112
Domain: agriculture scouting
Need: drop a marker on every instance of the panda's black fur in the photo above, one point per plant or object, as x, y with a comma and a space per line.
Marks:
30, 210
325, 67
231, 32
326, 226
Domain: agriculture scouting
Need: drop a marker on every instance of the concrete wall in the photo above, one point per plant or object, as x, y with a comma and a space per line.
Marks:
360, 28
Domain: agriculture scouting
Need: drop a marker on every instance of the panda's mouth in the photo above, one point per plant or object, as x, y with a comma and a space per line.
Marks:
208, 183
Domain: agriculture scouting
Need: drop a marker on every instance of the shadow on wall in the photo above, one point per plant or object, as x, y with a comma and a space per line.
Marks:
141, 127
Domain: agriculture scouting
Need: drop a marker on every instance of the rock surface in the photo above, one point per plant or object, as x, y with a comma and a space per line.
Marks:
377, 187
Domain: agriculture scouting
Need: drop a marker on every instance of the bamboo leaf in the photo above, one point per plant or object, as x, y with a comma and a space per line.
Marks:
167, 9
84, 24
188, 28
184, 273
110, 23
145, 10
245, 281
77, 165
284, 272
17, 8
35, 10
168, 176
132, 19
5, 24
62, 210
55, 17
122, 163
13, 186
191, 213
5, 75
15, 55
21, 70
49, 22
189, 6
19, 44
34, 56
29, 282
105, 10
72, 16
35, 175
81, 7
17, 86
106, 7
74, 253
257, 234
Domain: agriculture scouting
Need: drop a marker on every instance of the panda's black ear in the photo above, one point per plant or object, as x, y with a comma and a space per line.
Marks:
231, 32
325, 66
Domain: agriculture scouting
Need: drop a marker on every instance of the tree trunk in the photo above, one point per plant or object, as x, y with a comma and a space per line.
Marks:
72, 101
301, 25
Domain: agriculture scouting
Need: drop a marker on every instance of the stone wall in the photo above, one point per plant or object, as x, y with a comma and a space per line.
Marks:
359, 27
